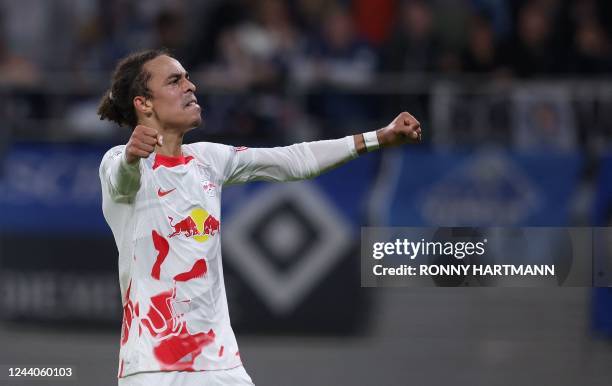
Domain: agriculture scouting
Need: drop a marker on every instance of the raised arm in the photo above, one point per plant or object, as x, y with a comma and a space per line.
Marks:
402, 130
309, 159
120, 168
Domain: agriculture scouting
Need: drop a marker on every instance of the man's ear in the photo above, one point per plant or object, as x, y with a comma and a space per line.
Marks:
143, 105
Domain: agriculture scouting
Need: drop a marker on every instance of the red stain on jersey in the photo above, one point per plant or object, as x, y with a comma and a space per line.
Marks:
177, 348
211, 225
128, 315
221, 351
137, 312
160, 318
162, 247
186, 226
199, 269
184, 347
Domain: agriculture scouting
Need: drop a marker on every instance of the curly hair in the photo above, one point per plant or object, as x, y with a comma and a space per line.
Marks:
129, 80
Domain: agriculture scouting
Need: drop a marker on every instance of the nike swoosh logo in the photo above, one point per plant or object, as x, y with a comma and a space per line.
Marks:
161, 193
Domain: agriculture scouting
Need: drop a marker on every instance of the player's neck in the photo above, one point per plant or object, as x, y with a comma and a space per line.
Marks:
172, 137
171, 144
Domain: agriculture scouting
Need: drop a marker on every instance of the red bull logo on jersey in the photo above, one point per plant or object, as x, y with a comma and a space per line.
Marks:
186, 227
199, 224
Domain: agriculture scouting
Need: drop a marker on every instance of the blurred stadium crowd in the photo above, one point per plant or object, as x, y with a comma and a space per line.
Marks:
274, 71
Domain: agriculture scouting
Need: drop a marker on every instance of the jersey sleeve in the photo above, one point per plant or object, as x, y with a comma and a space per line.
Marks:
119, 179
289, 163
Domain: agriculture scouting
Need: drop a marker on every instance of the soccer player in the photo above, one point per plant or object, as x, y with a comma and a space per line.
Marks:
162, 200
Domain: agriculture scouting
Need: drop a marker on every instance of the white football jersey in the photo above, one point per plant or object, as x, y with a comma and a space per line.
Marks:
165, 215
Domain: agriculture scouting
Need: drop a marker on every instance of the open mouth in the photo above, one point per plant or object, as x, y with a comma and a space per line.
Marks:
192, 103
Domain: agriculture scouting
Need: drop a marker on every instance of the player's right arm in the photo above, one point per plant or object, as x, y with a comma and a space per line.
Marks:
120, 168
310, 159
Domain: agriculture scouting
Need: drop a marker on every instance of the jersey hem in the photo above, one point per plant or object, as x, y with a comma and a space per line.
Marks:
177, 371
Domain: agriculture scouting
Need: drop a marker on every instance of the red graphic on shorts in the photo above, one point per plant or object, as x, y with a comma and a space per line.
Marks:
187, 227
198, 270
221, 352
177, 348
162, 247
211, 225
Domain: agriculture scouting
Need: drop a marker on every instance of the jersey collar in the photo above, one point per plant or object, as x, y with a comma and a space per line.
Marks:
170, 162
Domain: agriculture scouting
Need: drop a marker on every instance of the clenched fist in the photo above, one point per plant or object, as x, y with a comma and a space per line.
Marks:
403, 129
142, 143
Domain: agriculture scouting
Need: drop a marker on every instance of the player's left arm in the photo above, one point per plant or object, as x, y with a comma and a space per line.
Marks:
309, 159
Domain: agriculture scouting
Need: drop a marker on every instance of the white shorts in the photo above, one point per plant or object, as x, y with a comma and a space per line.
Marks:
232, 377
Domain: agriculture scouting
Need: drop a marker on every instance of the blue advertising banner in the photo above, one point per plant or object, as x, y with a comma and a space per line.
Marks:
51, 189
486, 188
602, 214
602, 208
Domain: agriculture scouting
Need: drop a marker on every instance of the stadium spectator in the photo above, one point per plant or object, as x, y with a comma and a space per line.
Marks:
14, 69
535, 51
481, 56
590, 41
252, 60
214, 18
413, 46
591, 53
499, 15
372, 19
309, 13
170, 31
332, 62
111, 31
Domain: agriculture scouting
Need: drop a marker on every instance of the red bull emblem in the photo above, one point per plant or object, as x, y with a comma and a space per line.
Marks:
187, 227
211, 226
199, 225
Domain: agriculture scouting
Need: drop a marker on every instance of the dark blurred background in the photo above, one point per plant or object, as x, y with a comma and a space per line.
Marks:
515, 101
